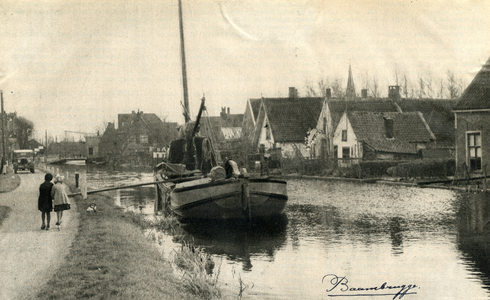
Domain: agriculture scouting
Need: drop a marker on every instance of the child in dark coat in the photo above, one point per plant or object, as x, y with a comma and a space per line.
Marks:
45, 201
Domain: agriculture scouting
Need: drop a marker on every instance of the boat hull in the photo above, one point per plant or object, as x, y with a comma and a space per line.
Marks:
228, 199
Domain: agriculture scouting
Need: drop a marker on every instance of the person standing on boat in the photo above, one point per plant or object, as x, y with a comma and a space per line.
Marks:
231, 168
45, 200
59, 197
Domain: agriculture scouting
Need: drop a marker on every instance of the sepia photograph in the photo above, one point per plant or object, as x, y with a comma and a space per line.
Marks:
244, 149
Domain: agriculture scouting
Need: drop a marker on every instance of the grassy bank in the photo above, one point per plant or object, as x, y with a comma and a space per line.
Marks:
9, 181
4, 213
111, 259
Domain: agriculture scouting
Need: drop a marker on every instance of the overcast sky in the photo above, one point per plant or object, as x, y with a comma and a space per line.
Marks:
74, 65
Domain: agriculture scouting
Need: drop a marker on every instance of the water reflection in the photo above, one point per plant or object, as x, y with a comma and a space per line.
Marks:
474, 235
396, 235
370, 233
238, 241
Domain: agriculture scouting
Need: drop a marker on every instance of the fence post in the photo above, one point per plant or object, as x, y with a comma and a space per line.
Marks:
485, 179
84, 186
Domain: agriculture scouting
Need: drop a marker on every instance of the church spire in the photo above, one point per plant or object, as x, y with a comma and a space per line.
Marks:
350, 92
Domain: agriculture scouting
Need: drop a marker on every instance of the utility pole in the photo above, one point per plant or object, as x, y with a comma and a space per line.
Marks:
3, 127
46, 139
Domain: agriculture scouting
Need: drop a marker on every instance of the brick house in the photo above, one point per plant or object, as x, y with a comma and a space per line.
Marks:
472, 123
138, 135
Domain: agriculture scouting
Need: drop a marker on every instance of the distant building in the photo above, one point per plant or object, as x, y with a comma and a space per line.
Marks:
225, 131
138, 135
92, 147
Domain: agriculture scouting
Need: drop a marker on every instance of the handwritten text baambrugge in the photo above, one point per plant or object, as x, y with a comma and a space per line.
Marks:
339, 286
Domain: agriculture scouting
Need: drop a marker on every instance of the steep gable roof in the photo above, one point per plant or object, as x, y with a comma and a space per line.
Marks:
338, 107
224, 127
290, 119
437, 113
255, 105
408, 129
477, 94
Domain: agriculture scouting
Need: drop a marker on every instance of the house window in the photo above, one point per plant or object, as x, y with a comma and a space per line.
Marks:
345, 152
324, 125
474, 151
344, 135
90, 151
143, 139
267, 132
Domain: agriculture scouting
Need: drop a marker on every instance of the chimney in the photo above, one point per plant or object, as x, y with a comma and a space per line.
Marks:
389, 127
394, 92
228, 110
364, 93
293, 93
223, 112
328, 93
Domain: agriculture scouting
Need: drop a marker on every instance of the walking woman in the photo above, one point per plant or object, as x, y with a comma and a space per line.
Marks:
45, 200
59, 197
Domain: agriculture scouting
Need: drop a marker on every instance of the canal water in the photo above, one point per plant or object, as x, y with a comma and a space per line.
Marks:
341, 239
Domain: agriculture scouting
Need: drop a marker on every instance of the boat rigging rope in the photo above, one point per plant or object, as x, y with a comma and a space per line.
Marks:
211, 138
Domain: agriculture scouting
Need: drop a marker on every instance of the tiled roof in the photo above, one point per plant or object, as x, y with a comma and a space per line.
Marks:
408, 129
255, 104
291, 118
212, 127
437, 113
477, 94
338, 107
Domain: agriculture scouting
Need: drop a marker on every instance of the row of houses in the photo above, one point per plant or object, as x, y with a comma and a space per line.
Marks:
356, 128
346, 130
360, 128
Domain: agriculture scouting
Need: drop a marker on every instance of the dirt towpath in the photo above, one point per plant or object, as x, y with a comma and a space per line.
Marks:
28, 255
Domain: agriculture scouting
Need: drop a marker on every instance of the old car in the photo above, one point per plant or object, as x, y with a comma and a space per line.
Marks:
23, 160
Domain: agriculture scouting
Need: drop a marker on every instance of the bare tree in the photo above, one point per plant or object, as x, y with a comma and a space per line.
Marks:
310, 88
430, 87
441, 90
337, 89
421, 87
366, 81
23, 130
318, 89
374, 87
454, 85
406, 86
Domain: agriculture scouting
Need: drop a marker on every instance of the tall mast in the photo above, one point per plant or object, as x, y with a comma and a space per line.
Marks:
184, 69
